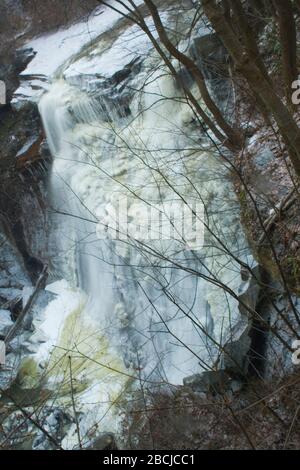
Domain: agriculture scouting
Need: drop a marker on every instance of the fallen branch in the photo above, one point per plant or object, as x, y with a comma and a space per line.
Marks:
12, 332
29, 417
284, 205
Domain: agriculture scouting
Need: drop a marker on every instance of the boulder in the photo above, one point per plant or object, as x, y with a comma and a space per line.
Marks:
105, 441
235, 358
213, 381
216, 382
210, 54
249, 289
263, 158
56, 422
11, 64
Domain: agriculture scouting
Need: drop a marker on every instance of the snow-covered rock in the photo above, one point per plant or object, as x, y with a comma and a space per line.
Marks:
5, 322
54, 49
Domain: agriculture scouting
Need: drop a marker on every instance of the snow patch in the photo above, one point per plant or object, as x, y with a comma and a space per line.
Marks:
53, 317
53, 50
129, 45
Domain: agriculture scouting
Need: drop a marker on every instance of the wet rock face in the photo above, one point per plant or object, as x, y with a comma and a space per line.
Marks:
235, 356
215, 382
249, 289
12, 63
112, 92
235, 359
15, 293
23, 167
23, 172
55, 422
211, 55
5, 322
105, 441
13, 278
213, 60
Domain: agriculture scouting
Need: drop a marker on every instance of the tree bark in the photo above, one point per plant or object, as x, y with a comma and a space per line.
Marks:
227, 10
240, 18
257, 80
288, 41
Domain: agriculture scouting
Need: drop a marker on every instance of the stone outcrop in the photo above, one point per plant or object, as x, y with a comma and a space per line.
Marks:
5, 322
212, 58
23, 171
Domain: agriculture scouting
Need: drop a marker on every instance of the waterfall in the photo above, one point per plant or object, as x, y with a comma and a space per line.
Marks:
130, 309
97, 161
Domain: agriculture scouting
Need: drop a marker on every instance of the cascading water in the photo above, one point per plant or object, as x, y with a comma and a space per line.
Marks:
127, 309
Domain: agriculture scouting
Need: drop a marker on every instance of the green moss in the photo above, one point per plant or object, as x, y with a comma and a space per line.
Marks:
83, 352
28, 373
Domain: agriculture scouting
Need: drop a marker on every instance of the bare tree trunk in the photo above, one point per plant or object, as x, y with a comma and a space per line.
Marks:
245, 30
257, 80
235, 137
227, 10
258, 5
288, 41
269, 8
297, 5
